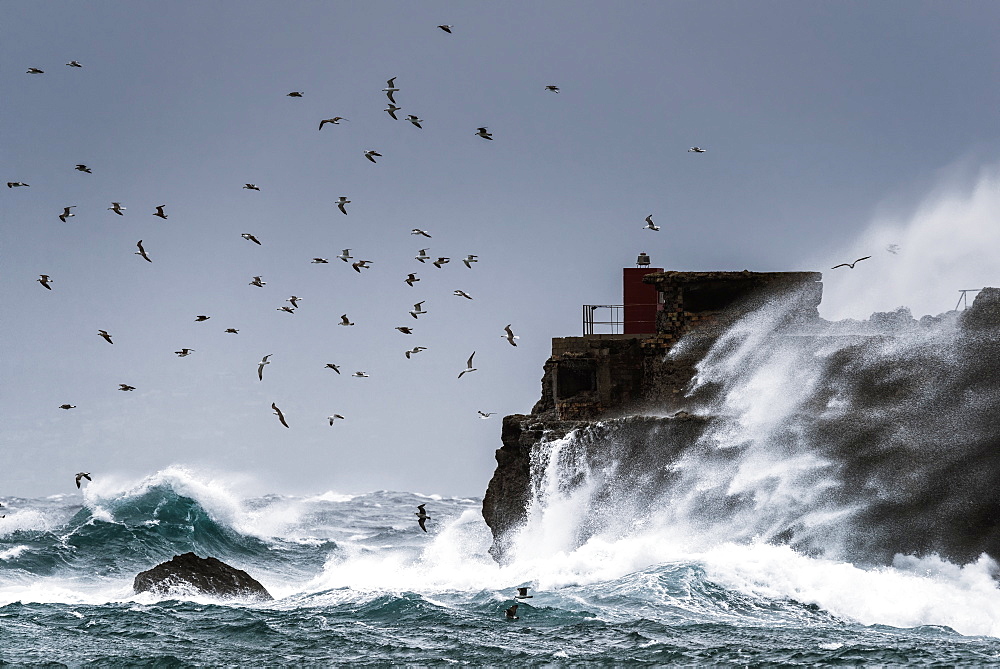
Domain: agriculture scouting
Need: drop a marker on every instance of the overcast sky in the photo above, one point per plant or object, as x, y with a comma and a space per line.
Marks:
832, 130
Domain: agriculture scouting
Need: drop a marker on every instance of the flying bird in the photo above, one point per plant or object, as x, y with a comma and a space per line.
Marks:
696, 149
422, 516
159, 212
67, 213
117, 208
67, 406
345, 255
332, 366
289, 310
469, 259
391, 88
417, 309
892, 248
258, 282
422, 255
74, 63
250, 238
510, 336
554, 89
522, 593
82, 475
125, 387
294, 301
418, 231
341, 202
445, 27
512, 612
411, 279
335, 121
370, 153
201, 319
441, 261
334, 417
232, 331
392, 109
485, 414
82, 168
850, 264
462, 293
344, 320
320, 261
15, 184
184, 352
360, 375
142, 251
44, 280
107, 337
415, 121
482, 132
35, 70
260, 366
414, 351
360, 265
405, 330
294, 94
468, 366
250, 187
650, 225
277, 412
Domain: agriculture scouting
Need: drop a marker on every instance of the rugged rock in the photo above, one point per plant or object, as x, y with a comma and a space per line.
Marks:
209, 576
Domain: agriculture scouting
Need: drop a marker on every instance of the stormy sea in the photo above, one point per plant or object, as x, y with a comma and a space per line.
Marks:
826, 501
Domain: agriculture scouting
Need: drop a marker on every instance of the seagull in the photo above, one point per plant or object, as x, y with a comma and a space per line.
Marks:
441, 261
650, 225
250, 238
411, 279
332, 366
82, 475
334, 417
260, 366
371, 152
391, 83
418, 231
45, 280
67, 406
468, 365
512, 612
344, 320
462, 293
850, 264
392, 109
469, 259
510, 336
484, 134
360, 265
554, 89
415, 121
422, 516
35, 70
422, 255
522, 593
277, 412
360, 375
417, 310
294, 301
117, 208
74, 63
184, 352
107, 337
485, 414
288, 309
257, 282
320, 261
82, 168
414, 351
294, 94
335, 120
201, 319
159, 212
142, 251
445, 27
696, 149
15, 184
405, 330
250, 187
66, 213
345, 255
892, 248
341, 202
125, 386
232, 331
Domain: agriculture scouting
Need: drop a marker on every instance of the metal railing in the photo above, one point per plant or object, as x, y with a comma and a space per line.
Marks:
613, 325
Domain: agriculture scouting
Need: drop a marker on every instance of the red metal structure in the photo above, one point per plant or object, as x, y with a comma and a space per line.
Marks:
640, 301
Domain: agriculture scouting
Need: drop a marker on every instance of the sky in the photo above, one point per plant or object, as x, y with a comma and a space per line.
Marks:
832, 131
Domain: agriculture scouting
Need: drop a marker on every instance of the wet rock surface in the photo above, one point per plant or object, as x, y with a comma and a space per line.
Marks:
210, 576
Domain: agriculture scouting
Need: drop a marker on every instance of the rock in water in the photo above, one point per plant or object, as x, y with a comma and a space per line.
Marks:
206, 575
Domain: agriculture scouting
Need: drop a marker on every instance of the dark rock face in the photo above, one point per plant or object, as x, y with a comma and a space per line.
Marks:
206, 575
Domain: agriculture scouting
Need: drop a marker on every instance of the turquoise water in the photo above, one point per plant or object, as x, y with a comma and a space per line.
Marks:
356, 582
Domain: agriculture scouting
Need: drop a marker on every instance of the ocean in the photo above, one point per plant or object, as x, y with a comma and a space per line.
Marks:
356, 582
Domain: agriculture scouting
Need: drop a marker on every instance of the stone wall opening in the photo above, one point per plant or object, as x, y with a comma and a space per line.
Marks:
572, 380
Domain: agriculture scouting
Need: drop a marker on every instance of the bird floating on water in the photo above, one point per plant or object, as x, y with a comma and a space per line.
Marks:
44, 280
510, 336
159, 212
142, 252
277, 412
250, 238
105, 335
371, 153
258, 282
462, 293
341, 202
650, 225
418, 231
82, 475
260, 366
850, 264
411, 279
80, 167
390, 89
335, 121
469, 259
422, 516
126, 387
67, 213
344, 320
468, 366
482, 132
117, 208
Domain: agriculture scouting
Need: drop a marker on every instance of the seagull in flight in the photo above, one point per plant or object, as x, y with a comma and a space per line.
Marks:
258, 282
415, 121
370, 153
67, 406
422, 255
294, 300
335, 121
142, 251
360, 375
392, 109
159, 212
441, 261
445, 27
80, 167
696, 149
201, 319
67, 213
554, 89
260, 367
411, 279
45, 281
422, 516
344, 320
405, 330
294, 94
250, 187
482, 132
107, 337
286, 309
650, 225
117, 208
485, 414
184, 352
320, 261
332, 366
250, 238
277, 412
15, 184
126, 387
414, 351
391, 88
850, 264
418, 309
360, 265
510, 336
892, 248
468, 366
74, 63
522, 593
334, 417
418, 231
469, 259
82, 475
511, 612
232, 331
345, 255
341, 202
35, 70
462, 293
